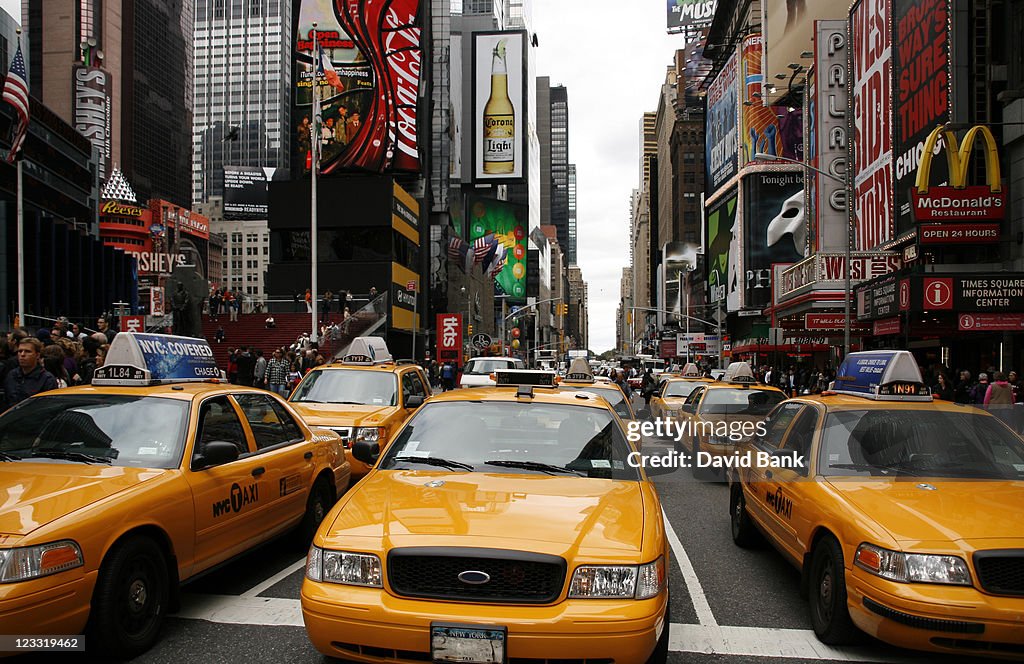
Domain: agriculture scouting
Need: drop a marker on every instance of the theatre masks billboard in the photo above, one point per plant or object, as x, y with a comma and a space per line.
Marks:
775, 230
497, 238
371, 84
499, 106
723, 249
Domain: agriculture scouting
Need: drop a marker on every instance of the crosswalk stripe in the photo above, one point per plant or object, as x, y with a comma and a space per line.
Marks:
272, 581
700, 601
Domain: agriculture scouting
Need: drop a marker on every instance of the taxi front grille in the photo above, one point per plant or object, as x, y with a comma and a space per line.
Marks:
513, 577
1001, 571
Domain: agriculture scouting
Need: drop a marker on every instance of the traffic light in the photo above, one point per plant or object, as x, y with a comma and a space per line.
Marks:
469, 329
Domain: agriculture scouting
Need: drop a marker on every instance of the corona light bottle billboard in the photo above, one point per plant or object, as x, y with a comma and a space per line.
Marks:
499, 119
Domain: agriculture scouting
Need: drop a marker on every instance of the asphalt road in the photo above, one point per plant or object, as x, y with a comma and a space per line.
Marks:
728, 604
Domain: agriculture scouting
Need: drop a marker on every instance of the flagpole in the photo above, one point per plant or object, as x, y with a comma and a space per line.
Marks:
314, 167
21, 249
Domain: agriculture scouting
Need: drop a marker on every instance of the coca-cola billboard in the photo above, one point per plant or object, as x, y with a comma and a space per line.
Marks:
369, 93
449, 337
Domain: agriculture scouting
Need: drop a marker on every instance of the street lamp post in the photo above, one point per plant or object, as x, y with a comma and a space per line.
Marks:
760, 156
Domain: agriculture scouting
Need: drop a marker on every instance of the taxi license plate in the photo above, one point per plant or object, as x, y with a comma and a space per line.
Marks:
468, 644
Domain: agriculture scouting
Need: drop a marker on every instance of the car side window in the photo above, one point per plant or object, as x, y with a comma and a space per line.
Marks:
802, 433
778, 422
291, 427
423, 384
694, 397
218, 421
268, 428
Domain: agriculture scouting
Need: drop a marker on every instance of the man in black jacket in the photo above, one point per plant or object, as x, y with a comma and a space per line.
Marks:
29, 377
246, 364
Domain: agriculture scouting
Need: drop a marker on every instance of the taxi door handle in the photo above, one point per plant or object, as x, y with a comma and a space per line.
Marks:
259, 470
307, 456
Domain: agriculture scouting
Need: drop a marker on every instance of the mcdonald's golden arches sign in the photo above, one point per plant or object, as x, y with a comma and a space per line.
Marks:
959, 202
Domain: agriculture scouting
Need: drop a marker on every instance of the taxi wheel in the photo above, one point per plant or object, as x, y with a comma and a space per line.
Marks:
131, 598
829, 613
317, 507
744, 534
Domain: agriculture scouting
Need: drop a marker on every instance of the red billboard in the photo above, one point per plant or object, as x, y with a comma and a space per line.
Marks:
886, 326
824, 321
990, 322
449, 337
871, 60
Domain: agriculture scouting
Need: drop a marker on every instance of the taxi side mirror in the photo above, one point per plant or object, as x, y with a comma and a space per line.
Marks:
216, 453
414, 401
366, 451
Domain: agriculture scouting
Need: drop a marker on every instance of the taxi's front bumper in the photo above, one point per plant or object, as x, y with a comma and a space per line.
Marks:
371, 625
57, 604
939, 618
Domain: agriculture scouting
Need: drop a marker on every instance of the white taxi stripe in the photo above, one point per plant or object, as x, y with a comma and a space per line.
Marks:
287, 571
696, 591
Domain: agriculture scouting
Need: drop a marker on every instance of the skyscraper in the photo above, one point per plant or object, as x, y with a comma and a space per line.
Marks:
560, 168
242, 79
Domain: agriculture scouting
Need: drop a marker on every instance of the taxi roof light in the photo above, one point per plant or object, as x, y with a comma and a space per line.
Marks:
692, 371
579, 371
368, 351
882, 375
515, 377
138, 359
739, 373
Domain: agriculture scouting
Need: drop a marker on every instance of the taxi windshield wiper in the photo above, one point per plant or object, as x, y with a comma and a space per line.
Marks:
435, 461
53, 453
902, 470
531, 465
354, 403
4, 456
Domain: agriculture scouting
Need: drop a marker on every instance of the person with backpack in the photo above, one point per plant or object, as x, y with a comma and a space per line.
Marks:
448, 376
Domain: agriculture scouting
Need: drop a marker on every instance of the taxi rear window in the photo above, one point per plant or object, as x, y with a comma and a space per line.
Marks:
509, 437
740, 402
920, 443
483, 367
680, 389
347, 386
615, 398
142, 432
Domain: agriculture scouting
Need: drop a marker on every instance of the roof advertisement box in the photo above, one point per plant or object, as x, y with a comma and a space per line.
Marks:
882, 374
146, 359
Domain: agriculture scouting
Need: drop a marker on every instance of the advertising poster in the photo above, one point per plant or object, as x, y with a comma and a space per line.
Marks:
679, 258
826, 136
92, 111
370, 90
775, 230
245, 192
499, 106
695, 69
721, 143
689, 14
770, 130
920, 70
788, 25
497, 238
720, 250
454, 127
170, 357
449, 337
871, 77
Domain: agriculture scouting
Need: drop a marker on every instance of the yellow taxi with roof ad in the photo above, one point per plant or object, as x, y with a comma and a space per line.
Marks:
502, 524
580, 377
716, 416
112, 494
671, 392
366, 396
904, 515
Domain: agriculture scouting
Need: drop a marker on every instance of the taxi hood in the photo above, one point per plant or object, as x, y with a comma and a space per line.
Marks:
559, 515
342, 414
954, 510
34, 494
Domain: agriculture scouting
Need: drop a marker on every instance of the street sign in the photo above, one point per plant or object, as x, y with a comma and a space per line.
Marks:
481, 341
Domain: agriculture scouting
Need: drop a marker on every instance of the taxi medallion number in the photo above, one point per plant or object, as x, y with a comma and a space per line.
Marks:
121, 372
472, 645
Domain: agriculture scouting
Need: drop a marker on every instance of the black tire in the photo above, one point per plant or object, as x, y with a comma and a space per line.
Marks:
660, 654
744, 533
130, 600
318, 505
829, 613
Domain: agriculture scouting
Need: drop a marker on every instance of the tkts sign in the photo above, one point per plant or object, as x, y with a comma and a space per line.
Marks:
959, 202
449, 337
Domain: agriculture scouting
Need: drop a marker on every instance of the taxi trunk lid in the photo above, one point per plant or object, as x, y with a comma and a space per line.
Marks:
33, 494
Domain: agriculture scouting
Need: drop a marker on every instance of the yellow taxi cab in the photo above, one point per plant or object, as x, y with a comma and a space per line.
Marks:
113, 494
668, 397
581, 377
366, 396
504, 524
719, 414
904, 515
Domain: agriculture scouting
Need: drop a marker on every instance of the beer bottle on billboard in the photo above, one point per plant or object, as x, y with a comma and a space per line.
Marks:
499, 119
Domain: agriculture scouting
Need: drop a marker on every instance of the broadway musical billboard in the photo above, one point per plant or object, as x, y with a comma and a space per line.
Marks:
720, 140
775, 230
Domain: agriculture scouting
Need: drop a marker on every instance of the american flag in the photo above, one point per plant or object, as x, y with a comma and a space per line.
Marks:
455, 248
16, 94
498, 264
482, 247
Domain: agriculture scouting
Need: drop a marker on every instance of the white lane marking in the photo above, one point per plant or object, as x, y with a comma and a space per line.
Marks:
697, 596
260, 587
767, 642
235, 610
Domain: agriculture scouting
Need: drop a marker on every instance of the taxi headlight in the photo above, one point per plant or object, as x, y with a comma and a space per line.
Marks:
351, 569
912, 567
31, 562
369, 434
618, 581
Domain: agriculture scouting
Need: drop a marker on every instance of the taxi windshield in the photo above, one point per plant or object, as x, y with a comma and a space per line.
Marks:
510, 437
738, 401
615, 398
142, 432
352, 386
482, 367
920, 443
680, 388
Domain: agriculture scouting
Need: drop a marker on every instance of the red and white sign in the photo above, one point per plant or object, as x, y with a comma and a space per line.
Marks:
886, 326
904, 294
449, 337
133, 323
959, 233
824, 321
967, 204
826, 267
938, 294
411, 286
991, 322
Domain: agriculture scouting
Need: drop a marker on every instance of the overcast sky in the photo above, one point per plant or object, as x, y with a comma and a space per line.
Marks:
611, 56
